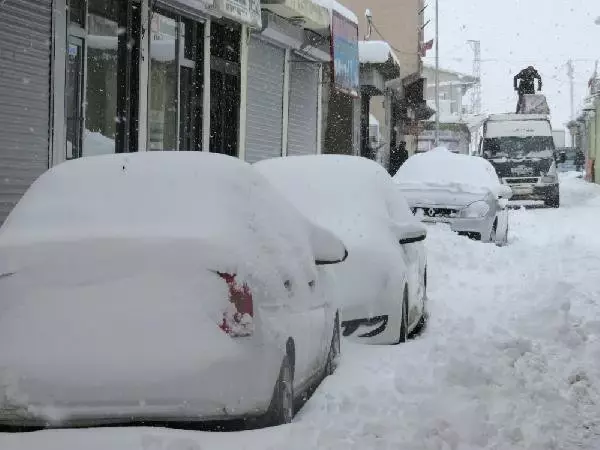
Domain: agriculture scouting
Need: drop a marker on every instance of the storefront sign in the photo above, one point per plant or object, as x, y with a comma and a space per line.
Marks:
344, 54
315, 17
243, 11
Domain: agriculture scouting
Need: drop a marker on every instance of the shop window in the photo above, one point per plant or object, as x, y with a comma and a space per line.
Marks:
101, 85
176, 69
224, 88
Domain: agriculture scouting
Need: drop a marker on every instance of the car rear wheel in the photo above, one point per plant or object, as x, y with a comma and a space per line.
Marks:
404, 318
281, 410
334, 349
424, 314
494, 232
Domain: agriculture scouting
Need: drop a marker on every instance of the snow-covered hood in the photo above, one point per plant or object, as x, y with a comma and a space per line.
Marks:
442, 195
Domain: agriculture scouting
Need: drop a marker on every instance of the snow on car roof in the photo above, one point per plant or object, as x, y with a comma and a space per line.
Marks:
151, 194
332, 186
440, 167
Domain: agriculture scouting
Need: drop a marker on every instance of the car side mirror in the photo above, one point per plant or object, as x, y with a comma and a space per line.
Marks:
327, 247
408, 233
505, 192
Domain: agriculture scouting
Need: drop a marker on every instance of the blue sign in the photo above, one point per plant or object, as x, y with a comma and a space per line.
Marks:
344, 49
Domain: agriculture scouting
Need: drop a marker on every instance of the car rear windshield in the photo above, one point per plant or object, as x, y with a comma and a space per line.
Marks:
518, 147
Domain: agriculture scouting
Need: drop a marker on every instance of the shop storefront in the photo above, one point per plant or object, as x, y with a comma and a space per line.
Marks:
25, 45
152, 75
284, 80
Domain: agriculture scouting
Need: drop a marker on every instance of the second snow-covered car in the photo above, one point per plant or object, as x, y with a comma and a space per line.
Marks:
461, 190
161, 286
382, 284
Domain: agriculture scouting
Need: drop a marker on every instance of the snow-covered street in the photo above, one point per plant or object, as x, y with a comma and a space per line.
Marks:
510, 358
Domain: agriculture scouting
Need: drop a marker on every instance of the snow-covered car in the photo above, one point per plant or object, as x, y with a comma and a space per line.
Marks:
382, 284
161, 286
461, 190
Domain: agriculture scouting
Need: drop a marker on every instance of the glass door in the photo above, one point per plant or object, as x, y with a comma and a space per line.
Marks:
73, 97
176, 69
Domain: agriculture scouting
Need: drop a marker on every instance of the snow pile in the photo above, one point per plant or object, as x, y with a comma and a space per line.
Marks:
440, 168
95, 144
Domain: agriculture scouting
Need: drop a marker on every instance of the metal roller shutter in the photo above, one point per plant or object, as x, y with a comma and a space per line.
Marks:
25, 46
302, 125
264, 116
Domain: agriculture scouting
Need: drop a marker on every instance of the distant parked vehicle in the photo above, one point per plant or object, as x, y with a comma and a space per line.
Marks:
463, 191
168, 286
382, 285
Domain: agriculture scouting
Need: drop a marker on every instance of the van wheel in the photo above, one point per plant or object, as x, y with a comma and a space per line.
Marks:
281, 410
553, 202
404, 318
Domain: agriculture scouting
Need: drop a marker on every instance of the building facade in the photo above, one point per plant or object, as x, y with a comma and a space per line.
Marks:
400, 24
585, 130
89, 77
452, 90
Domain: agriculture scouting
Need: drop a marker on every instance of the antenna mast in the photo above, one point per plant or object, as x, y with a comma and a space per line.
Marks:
476, 89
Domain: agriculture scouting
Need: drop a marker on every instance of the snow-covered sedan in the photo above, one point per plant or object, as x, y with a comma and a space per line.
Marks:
161, 286
461, 190
382, 284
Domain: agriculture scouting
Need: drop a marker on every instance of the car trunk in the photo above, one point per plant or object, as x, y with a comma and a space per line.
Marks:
83, 317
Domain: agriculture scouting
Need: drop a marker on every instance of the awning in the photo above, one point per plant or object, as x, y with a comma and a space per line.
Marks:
306, 13
378, 64
243, 11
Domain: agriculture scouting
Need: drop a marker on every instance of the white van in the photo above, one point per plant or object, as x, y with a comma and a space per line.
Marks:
521, 149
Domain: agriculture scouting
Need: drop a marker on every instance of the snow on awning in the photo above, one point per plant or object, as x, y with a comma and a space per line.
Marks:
376, 52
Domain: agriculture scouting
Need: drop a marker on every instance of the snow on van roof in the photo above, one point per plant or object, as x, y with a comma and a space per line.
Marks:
513, 116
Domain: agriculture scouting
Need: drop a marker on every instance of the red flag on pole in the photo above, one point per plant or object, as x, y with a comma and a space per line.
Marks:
425, 46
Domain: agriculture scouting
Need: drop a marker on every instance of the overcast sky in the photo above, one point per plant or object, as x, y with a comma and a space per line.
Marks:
515, 34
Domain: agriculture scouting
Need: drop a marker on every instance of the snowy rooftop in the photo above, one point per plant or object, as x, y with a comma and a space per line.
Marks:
376, 52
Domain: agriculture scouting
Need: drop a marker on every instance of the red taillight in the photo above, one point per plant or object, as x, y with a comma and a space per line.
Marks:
238, 316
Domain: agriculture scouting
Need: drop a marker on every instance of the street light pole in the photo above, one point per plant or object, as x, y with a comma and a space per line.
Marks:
437, 74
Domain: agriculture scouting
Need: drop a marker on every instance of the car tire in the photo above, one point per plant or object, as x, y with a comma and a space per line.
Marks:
494, 232
404, 318
425, 314
281, 409
334, 349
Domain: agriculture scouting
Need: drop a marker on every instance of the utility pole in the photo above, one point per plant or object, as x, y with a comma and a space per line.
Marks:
476, 89
571, 74
437, 73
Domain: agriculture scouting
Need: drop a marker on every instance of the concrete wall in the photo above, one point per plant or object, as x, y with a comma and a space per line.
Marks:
399, 22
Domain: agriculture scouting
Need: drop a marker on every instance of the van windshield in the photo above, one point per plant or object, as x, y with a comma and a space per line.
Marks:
518, 147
